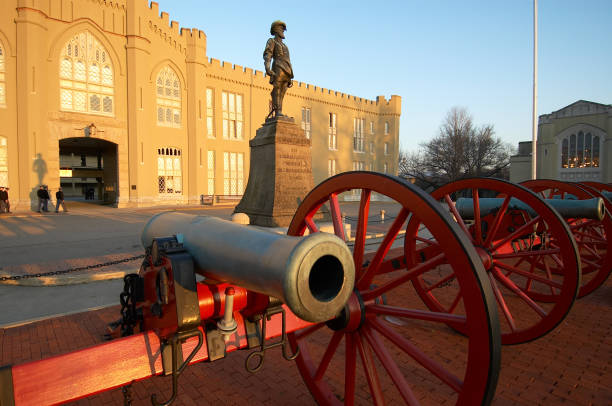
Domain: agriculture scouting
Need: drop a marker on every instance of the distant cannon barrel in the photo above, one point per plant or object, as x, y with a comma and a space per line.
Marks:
607, 194
313, 275
568, 208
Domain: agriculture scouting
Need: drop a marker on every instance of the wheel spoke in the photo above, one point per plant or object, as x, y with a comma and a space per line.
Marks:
517, 291
447, 318
329, 353
405, 276
312, 227
336, 216
362, 225
419, 356
502, 303
497, 221
308, 331
458, 218
385, 245
350, 367
441, 282
455, 303
528, 275
477, 225
389, 364
518, 232
370, 371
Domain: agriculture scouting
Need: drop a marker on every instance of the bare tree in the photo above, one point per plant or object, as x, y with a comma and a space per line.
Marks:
460, 149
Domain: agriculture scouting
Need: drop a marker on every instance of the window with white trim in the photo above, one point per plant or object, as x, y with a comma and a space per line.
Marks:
332, 135
306, 121
331, 167
358, 165
210, 124
358, 138
233, 173
169, 178
168, 98
386, 127
386, 148
232, 116
211, 172
386, 168
580, 151
86, 76
371, 127
3, 162
2, 78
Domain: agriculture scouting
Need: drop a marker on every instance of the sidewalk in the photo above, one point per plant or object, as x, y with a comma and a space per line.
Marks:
86, 236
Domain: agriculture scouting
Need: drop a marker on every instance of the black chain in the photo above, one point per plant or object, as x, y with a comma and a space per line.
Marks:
65, 271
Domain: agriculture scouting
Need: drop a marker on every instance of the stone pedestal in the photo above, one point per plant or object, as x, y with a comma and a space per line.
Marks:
280, 175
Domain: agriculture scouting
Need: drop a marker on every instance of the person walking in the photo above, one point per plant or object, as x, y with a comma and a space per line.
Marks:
46, 198
59, 197
5, 205
40, 193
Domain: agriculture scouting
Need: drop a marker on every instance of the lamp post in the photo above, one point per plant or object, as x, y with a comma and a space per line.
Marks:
534, 135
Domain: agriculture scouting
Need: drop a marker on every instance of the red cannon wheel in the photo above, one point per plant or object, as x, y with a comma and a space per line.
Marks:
407, 352
591, 235
530, 257
599, 186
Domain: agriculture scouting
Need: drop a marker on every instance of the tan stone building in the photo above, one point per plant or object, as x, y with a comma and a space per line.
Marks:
574, 144
113, 98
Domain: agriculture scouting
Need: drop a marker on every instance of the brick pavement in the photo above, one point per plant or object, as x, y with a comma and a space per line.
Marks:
570, 366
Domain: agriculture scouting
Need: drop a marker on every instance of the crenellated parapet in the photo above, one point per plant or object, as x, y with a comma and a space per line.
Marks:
237, 74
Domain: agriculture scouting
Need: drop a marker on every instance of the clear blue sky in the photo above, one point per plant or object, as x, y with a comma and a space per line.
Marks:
435, 54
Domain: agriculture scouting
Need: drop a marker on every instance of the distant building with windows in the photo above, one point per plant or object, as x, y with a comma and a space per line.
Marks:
112, 96
574, 144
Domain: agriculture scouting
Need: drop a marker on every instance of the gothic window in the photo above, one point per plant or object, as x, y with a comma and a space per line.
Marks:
306, 121
2, 79
580, 151
169, 178
210, 126
211, 172
86, 76
168, 98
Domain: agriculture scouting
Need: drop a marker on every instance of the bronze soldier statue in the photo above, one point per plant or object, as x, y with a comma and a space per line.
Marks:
281, 72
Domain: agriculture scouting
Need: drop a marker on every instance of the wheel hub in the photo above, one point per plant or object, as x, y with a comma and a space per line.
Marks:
351, 317
485, 257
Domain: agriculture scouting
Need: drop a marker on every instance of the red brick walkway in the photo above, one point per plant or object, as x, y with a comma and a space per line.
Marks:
570, 366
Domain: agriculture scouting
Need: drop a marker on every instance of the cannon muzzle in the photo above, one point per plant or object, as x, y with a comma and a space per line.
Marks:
567, 208
313, 275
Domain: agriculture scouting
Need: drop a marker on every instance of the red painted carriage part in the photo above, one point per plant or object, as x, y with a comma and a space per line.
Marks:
379, 323
530, 258
96, 369
591, 235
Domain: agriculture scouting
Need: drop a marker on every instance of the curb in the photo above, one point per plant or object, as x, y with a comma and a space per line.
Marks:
63, 280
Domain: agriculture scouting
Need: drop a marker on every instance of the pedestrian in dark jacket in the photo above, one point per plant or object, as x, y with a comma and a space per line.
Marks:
40, 193
46, 198
59, 197
4, 200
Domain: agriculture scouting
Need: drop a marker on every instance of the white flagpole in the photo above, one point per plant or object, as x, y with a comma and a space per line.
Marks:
534, 137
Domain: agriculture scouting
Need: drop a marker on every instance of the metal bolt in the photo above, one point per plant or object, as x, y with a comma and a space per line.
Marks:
228, 325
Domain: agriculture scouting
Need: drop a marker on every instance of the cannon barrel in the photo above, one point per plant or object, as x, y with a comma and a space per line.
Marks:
567, 208
313, 275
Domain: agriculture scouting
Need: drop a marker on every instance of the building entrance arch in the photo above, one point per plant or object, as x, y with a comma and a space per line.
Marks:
88, 169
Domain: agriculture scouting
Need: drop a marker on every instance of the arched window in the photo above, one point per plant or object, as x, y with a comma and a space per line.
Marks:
3, 162
2, 78
86, 76
580, 151
168, 98
169, 178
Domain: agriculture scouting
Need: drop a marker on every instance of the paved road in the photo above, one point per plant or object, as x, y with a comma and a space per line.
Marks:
88, 234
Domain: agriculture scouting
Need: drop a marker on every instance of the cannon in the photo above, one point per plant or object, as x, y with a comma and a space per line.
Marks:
342, 306
591, 233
